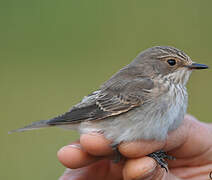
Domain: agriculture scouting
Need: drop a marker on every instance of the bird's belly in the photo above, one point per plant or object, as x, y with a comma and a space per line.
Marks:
150, 121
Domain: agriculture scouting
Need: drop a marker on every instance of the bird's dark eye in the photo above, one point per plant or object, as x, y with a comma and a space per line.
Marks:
171, 62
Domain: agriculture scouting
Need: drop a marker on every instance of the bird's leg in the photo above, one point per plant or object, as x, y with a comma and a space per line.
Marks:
118, 156
160, 157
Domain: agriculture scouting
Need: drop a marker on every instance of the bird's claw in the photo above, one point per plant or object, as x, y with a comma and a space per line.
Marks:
159, 157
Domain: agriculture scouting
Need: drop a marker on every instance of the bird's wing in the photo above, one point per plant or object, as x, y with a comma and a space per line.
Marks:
115, 99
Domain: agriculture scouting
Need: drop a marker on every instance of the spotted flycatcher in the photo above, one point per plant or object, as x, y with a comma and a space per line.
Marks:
144, 100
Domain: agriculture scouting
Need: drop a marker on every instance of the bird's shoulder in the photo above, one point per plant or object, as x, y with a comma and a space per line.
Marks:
124, 94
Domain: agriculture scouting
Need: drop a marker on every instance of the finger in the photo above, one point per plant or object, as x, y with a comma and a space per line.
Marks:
145, 169
96, 144
100, 170
140, 148
139, 168
73, 156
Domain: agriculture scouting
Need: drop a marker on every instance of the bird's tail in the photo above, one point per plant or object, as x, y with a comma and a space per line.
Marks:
34, 125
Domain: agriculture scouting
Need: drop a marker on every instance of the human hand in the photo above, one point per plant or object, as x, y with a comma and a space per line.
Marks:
191, 144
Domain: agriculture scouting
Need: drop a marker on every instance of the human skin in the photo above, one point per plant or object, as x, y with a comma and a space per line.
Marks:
191, 145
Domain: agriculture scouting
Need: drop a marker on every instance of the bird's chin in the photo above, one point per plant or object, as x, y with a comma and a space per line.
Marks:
180, 76
184, 75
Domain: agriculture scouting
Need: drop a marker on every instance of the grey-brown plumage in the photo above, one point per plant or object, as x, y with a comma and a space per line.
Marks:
112, 100
144, 100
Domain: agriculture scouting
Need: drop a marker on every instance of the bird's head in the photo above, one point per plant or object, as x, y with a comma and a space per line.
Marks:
167, 62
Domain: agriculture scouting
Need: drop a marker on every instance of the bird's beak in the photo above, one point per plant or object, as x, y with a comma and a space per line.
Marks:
197, 66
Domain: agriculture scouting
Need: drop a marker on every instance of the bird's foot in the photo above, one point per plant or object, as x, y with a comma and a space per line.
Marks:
118, 156
159, 157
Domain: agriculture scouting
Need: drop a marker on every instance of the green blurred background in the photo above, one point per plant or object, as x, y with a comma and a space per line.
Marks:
52, 53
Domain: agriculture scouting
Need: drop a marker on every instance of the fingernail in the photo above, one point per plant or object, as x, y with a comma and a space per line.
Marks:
77, 146
99, 133
66, 148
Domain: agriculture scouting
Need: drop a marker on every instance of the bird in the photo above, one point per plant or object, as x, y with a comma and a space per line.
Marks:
145, 100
